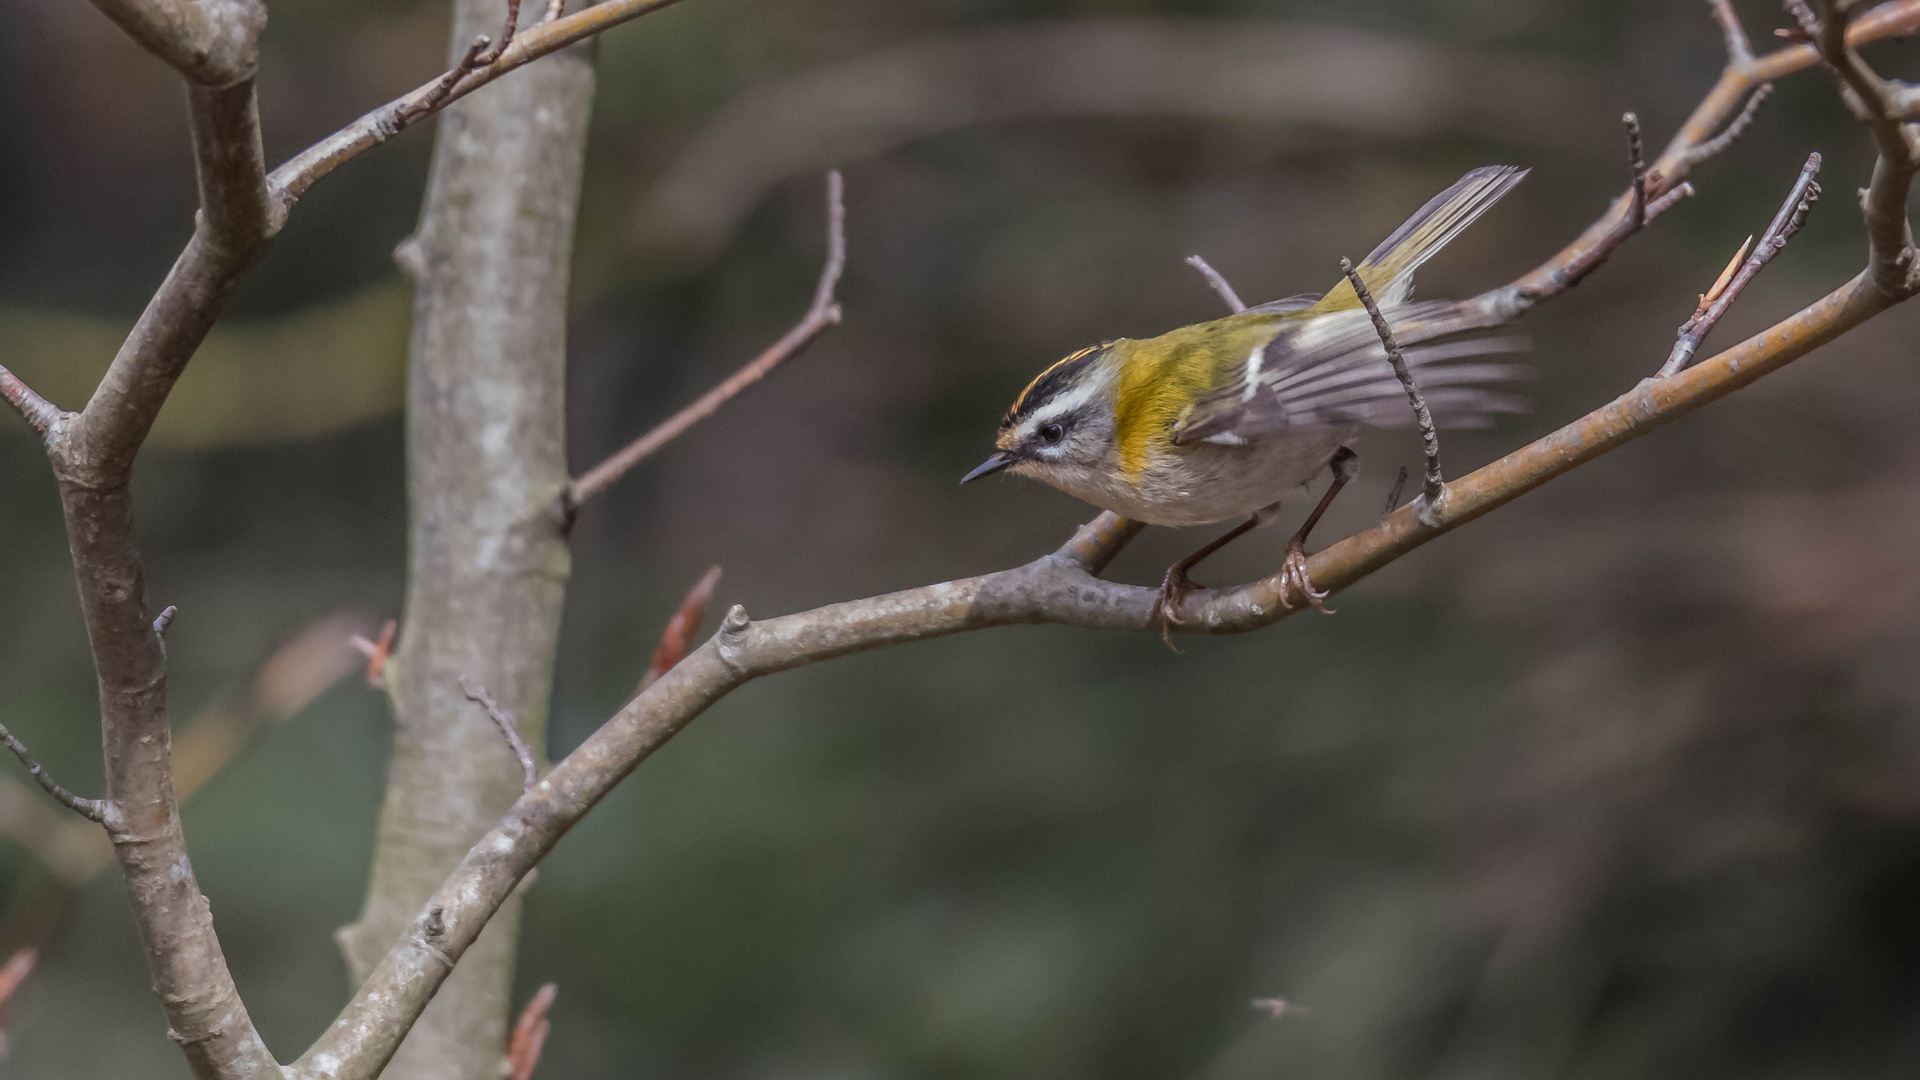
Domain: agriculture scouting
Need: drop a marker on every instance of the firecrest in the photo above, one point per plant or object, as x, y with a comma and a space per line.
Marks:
1226, 418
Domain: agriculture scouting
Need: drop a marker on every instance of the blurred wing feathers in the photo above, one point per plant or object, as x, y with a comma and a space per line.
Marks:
1388, 271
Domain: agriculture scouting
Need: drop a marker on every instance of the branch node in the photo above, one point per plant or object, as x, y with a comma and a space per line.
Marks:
94, 810
44, 416
736, 622
504, 721
1435, 490
1218, 282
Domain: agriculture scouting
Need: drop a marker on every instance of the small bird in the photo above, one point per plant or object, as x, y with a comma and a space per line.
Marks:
1227, 418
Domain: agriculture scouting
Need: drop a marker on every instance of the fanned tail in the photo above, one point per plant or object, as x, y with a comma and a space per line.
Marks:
1388, 271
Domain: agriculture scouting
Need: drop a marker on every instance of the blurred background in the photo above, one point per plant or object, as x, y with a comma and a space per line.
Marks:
1621, 781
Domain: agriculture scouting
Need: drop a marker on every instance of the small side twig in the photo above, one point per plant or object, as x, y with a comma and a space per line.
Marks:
477, 56
92, 809
1714, 304
529, 1035
824, 312
43, 415
1640, 210
1717, 145
165, 618
1739, 46
1218, 282
555, 9
1393, 497
1435, 489
1636, 157
503, 721
377, 653
682, 628
506, 35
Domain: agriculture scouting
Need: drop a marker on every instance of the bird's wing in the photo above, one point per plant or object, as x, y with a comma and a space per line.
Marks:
1330, 369
1388, 269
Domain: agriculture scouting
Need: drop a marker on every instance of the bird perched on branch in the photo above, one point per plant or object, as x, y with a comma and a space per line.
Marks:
1226, 418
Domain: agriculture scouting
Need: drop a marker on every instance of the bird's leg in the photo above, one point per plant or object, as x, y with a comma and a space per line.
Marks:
1176, 585
1345, 465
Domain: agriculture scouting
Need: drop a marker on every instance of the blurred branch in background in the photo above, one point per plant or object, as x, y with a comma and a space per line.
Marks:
1265, 71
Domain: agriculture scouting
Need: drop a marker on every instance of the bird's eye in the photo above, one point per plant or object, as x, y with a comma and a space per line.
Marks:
1051, 434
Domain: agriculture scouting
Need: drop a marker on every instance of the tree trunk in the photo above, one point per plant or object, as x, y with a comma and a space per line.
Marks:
489, 558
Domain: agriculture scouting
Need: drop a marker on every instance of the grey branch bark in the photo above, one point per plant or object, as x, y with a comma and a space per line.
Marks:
486, 470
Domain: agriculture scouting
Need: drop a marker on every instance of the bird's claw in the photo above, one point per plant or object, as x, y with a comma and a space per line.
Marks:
1293, 573
1173, 592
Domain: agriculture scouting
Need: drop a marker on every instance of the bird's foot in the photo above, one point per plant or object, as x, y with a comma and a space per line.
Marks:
1293, 572
1173, 592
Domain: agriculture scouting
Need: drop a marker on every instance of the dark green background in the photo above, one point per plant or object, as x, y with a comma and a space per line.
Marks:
1623, 781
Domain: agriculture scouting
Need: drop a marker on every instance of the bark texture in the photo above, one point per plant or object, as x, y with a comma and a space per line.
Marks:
489, 557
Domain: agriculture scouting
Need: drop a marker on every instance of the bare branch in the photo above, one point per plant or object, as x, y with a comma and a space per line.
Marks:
1739, 46
1716, 146
1434, 494
530, 1035
507, 32
165, 618
1219, 283
681, 628
291, 180
555, 9
521, 751
1714, 304
91, 809
823, 313
1879, 105
44, 416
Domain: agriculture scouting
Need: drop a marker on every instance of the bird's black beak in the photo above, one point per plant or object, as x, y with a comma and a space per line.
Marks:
990, 466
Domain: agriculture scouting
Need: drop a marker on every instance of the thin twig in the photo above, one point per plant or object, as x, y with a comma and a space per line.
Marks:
506, 35
504, 721
529, 1035
292, 179
1435, 490
1714, 147
440, 89
824, 312
1714, 305
555, 9
91, 809
682, 628
1393, 496
1587, 253
1218, 282
165, 618
1637, 159
43, 415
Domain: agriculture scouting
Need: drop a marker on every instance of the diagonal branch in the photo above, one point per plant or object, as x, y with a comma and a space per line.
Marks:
824, 312
1218, 283
1714, 305
529, 768
291, 180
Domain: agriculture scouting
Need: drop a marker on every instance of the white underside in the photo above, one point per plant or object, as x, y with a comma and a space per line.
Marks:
1209, 482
